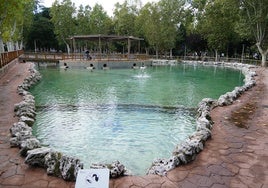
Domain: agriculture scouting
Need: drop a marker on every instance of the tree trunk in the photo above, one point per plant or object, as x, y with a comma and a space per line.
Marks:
17, 45
67, 45
263, 59
263, 54
243, 51
68, 48
170, 54
2, 48
21, 44
216, 55
10, 46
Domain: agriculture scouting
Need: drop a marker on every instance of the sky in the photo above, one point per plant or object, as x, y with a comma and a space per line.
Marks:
108, 5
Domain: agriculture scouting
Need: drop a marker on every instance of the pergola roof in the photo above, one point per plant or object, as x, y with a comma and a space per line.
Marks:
103, 37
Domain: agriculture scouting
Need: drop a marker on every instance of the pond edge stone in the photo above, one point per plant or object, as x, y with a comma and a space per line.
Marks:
186, 152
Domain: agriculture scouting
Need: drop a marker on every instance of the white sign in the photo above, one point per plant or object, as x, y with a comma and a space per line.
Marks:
92, 178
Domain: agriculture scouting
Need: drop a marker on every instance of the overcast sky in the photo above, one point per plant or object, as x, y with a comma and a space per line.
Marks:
108, 5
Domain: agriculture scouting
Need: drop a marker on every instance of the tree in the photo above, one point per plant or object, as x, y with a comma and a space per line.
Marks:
196, 42
63, 18
100, 22
256, 14
217, 23
13, 14
124, 19
41, 33
30, 9
171, 20
148, 19
83, 20
160, 24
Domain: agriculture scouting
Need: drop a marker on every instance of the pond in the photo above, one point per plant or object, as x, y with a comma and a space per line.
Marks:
133, 116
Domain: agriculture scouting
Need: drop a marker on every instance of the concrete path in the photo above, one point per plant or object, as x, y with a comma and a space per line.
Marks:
236, 156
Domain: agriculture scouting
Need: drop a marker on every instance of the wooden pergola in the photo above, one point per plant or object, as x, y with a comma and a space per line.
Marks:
106, 38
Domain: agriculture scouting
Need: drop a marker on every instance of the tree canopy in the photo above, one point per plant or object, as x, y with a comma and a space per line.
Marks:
256, 14
168, 26
63, 18
14, 17
217, 23
41, 32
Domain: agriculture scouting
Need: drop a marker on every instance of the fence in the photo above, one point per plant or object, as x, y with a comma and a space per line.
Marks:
220, 59
7, 57
81, 56
124, 57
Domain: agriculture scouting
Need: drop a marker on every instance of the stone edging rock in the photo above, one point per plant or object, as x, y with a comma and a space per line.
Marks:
60, 165
188, 150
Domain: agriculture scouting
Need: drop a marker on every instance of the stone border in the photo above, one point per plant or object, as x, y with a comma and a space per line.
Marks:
188, 150
60, 165
55, 163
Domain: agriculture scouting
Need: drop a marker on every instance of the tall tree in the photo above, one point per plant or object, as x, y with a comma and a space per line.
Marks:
171, 20
30, 9
256, 14
100, 22
41, 34
12, 18
124, 21
63, 18
160, 23
83, 20
124, 18
148, 20
196, 43
217, 23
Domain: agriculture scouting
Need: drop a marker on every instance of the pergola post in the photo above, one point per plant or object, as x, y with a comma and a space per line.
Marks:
74, 47
100, 46
128, 47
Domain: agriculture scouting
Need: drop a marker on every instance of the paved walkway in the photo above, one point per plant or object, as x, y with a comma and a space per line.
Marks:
236, 156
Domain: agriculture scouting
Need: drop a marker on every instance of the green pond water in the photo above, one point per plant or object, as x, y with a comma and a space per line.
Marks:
133, 116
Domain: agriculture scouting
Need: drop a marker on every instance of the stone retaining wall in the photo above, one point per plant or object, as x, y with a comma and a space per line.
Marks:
67, 167
99, 65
